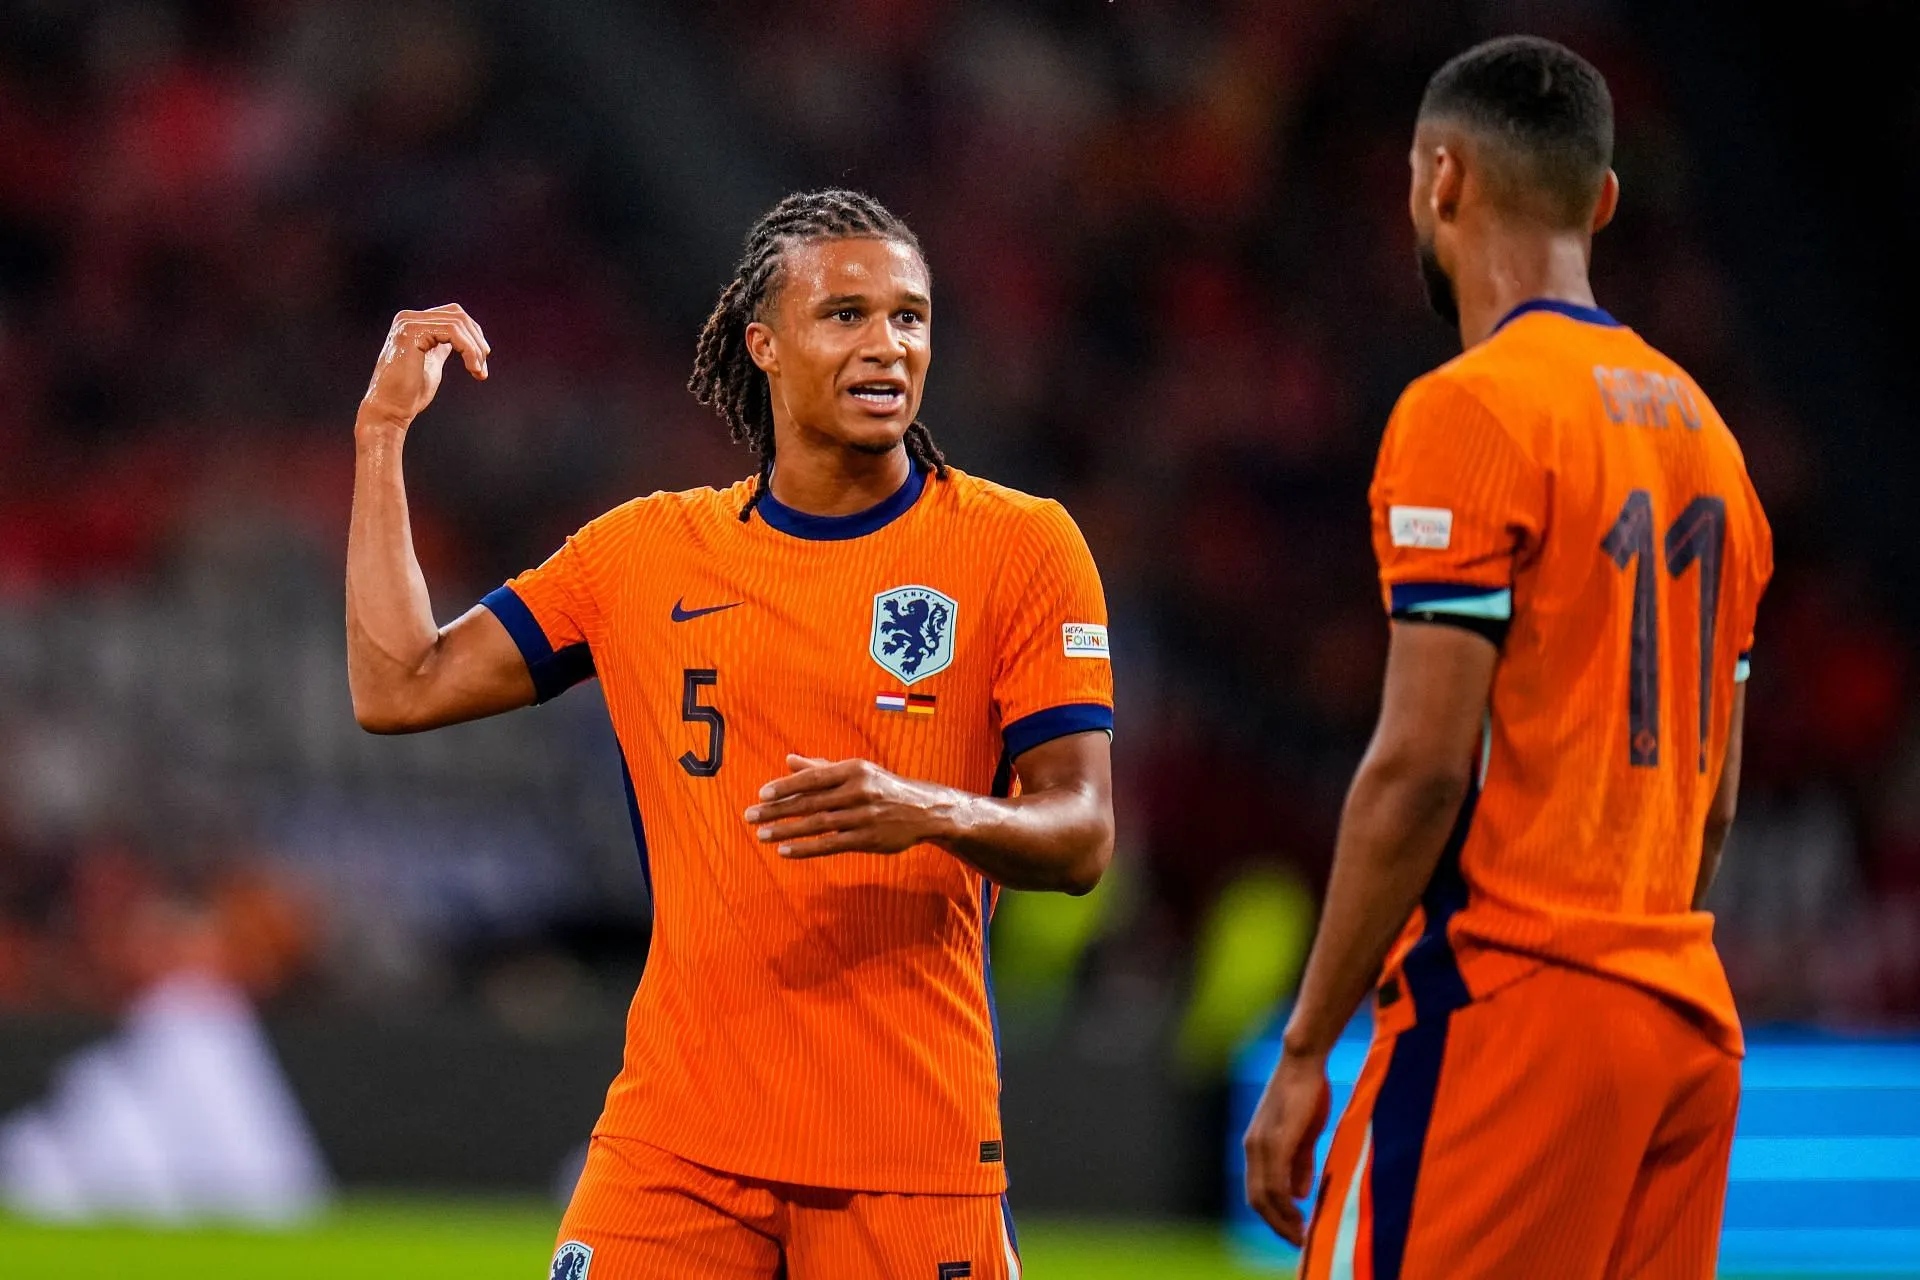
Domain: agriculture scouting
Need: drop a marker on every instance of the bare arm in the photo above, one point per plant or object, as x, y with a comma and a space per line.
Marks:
1056, 834
1398, 814
405, 673
1726, 799
1403, 803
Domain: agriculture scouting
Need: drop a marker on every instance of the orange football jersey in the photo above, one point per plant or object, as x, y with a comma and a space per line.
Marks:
1570, 491
825, 1022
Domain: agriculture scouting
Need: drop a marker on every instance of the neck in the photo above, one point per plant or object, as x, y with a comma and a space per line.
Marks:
823, 477
1515, 266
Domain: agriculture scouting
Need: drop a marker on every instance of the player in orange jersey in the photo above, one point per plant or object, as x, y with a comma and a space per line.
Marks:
855, 696
1572, 556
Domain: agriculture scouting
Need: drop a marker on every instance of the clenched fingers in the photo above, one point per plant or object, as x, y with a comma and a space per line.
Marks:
448, 325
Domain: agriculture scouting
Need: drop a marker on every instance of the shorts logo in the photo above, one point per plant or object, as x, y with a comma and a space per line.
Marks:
1085, 640
1430, 528
571, 1261
956, 1271
913, 632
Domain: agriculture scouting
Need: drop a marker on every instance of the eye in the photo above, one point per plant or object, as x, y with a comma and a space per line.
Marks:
847, 315
910, 316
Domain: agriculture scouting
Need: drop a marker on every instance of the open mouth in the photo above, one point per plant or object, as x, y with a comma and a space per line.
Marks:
885, 397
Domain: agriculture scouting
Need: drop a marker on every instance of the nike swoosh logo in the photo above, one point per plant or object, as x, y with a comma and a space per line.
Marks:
683, 614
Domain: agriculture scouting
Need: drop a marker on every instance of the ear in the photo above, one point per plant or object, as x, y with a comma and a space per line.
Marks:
763, 347
1449, 182
1609, 202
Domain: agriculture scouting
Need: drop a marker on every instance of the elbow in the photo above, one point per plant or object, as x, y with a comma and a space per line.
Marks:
381, 715
1720, 820
378, 721
1095, 856
1415, 787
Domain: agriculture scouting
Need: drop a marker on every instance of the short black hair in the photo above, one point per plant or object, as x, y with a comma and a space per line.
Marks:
1546, 113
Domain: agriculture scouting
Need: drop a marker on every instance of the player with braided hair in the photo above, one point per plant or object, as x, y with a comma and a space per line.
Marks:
855, 695
725, 375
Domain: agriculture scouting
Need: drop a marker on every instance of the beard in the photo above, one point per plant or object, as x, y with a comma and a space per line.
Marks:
1439, 285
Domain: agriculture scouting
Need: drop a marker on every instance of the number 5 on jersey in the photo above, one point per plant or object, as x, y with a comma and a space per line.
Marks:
693, 711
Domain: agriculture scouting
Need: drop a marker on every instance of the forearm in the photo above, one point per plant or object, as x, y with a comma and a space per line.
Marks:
390, 628
1711, 844
1391, 836
1059, 839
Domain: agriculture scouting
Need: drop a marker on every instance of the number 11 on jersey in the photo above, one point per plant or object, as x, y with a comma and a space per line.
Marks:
1698, 536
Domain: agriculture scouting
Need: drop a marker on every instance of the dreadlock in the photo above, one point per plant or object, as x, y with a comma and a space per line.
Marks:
724, 374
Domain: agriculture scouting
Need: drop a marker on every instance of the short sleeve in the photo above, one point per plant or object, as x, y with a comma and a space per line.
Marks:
1054, 675
1457, 508
550, 613
1761, 575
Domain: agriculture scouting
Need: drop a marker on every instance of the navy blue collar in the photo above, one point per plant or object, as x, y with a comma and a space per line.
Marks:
779, 515
1571, 310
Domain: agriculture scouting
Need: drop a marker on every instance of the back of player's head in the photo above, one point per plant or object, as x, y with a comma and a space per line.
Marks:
724, 374
1543, 118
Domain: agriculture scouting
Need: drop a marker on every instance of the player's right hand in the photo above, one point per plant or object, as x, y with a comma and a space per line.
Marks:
1280, 1141
407, 374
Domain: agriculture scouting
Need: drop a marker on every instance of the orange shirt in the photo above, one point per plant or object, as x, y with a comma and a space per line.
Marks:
825, 1022
1569, 490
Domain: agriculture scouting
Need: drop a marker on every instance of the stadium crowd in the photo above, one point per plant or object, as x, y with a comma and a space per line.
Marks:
1176, 291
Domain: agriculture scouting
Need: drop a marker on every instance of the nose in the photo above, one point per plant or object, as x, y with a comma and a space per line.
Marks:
883, 342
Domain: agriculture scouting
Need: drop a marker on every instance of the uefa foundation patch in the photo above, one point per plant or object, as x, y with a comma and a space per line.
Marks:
1084, 640
571, 1261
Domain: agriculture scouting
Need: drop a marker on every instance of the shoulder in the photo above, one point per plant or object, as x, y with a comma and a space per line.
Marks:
1006, 511
665, 510
1466, 402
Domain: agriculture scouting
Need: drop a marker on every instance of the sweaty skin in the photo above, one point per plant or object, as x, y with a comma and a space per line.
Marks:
848, 314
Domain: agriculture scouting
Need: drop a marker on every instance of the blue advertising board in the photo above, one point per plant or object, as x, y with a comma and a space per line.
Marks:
1825, 1176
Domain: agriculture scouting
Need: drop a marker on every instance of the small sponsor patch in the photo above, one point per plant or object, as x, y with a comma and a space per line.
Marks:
1430, 528
571, 1261
955, 1271
1085, 640
991, 1151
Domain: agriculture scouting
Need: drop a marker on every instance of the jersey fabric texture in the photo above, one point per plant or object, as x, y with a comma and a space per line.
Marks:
1569, 491
827, 1022
642, 1212
1569, 1125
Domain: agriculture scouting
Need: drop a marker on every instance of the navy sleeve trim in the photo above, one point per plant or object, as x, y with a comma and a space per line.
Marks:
553, 671
1493, 630
1028, 732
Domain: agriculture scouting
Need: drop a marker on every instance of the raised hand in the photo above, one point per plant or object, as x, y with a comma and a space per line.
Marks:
848, 806
407, 374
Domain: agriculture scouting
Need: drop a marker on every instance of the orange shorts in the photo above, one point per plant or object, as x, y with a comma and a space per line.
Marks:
1565, 1125
640, 1213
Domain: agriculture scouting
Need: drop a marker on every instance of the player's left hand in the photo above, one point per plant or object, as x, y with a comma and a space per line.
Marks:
847, 806
1280, 1142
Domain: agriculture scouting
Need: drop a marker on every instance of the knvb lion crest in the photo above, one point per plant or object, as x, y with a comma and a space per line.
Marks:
571, 1261
913, 632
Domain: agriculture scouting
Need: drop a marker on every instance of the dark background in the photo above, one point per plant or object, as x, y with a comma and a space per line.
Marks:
1175, 290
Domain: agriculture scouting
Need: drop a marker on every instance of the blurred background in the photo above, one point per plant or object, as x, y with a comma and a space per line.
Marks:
1176, 291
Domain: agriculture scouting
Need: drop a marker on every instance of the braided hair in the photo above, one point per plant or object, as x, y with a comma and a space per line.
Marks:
724, 374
